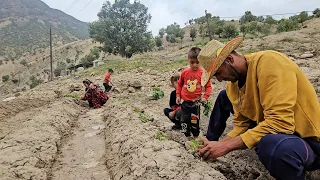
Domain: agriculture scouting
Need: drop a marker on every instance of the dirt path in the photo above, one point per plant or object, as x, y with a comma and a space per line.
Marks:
82, 157
30, 139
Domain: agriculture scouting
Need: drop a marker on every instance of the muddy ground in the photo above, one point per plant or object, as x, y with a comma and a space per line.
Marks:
44, 135
60, 138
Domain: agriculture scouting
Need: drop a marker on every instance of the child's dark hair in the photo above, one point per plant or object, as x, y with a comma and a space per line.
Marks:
87, 81
194, 53
110, 70
174, 78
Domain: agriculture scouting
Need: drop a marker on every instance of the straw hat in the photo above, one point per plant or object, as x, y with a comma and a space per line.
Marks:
213, 55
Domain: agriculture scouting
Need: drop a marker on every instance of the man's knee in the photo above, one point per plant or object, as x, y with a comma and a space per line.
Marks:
284, 156
273, 146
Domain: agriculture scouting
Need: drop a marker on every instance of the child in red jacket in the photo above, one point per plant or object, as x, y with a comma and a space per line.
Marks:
107, 81
190, 91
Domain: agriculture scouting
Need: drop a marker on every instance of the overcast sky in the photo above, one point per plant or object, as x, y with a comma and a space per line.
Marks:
166, 12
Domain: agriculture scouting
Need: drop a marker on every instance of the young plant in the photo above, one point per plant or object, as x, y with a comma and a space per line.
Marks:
74, 96
143, 117
157, 93
207, 108
194, 145
160, 136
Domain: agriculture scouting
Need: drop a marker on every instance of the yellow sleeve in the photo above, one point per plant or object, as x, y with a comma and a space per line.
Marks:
277, 85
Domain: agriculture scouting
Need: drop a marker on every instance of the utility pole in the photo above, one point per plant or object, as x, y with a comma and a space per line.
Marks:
51, 75
208, 25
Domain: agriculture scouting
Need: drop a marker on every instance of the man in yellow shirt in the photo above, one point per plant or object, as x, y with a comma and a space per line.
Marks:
276, 110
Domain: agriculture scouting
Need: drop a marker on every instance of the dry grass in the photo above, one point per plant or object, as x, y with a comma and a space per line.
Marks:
143, 62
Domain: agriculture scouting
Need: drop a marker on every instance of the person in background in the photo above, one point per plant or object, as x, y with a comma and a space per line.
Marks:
174, 112
107, 81
95, 97
189, 89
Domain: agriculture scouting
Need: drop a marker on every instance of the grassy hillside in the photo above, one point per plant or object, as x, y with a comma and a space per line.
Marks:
24, 26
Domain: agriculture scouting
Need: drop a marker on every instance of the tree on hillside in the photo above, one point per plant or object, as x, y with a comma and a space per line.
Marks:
158, 41
247, 17
151, 43
316, 12
270, 20
173, 32
201, 20
260, 19
193, 33
95, 52
264, 28
60, 67
252, 27
286, 25
122, 25
302, 17
216, 26
202, 31
230, 31
244, 29
162, 31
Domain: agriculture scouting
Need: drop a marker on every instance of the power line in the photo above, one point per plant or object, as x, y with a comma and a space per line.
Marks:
72, 5
267, 15
84, 7
51, 74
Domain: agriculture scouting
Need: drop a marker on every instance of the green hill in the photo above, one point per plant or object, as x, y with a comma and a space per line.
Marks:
24, 26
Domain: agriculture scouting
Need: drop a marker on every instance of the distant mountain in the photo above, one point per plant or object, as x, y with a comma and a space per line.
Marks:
24, 26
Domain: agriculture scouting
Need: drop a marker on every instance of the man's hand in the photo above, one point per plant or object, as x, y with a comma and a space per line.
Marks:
212, 149
178, 100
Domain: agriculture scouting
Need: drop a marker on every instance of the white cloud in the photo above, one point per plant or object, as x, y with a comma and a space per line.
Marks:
166, 12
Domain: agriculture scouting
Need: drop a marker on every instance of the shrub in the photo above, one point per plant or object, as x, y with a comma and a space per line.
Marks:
193, 33
35, 82
68, 60
158, 40
229, 31
286, 25
24, 62
5, 78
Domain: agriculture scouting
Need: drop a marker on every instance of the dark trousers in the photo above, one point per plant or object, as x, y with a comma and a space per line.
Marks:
219, 116
286, 157
107, 87
190, 119
176, 119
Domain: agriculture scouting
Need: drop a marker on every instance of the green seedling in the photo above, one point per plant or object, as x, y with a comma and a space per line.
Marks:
160, 136
74, 96
143, 117
207, 108
194, 145
157, 93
